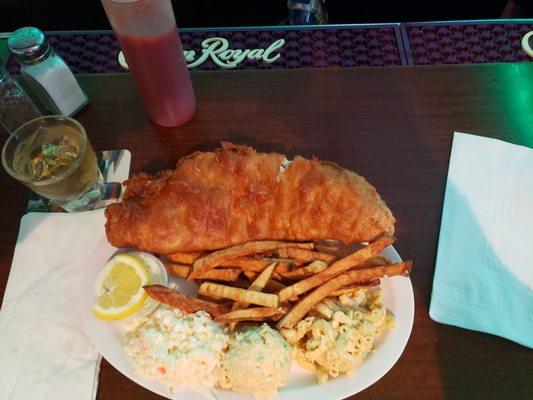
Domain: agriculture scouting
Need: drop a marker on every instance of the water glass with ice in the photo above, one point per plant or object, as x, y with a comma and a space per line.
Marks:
53, 157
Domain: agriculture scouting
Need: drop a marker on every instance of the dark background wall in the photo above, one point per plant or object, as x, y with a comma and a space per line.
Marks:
89, 14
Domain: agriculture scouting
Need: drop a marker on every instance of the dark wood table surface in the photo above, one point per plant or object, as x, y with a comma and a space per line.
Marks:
392, 125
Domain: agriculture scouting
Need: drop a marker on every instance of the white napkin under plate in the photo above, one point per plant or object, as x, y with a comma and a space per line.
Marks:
44, 353
484, 270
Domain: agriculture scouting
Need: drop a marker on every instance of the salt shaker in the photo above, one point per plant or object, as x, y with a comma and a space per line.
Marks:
16, 107
46, 73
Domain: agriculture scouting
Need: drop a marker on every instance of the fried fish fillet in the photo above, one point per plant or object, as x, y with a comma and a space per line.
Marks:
213, 200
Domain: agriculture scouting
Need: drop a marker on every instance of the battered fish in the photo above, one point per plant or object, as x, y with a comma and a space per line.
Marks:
213, 200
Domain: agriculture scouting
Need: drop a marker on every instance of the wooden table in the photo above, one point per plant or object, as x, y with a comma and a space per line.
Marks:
392, 125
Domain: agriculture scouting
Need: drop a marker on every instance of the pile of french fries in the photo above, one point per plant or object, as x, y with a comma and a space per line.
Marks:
274, 280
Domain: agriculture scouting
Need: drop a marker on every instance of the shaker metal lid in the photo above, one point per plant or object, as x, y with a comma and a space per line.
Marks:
28, 44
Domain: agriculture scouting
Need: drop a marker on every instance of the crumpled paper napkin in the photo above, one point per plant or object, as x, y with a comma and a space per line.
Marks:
44, 353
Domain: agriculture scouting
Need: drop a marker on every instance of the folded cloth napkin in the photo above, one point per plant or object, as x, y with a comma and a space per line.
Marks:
484, 271
44, 353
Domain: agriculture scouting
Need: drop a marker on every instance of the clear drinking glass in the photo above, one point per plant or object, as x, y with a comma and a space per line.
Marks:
53, 157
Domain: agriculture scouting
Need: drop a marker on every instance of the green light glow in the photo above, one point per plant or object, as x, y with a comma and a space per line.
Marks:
517, 100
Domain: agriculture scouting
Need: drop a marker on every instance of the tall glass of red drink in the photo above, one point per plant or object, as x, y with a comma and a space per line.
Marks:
148, 35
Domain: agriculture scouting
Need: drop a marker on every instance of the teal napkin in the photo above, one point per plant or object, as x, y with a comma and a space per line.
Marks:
484, 270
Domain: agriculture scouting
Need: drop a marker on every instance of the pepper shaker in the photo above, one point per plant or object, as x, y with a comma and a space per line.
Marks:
46, 73
16, 107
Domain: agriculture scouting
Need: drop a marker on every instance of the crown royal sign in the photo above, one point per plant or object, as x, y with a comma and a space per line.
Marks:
218, 50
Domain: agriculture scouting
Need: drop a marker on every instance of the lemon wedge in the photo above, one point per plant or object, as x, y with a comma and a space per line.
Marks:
119, 287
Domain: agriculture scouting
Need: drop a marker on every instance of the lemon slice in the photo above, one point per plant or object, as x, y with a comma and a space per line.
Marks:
119, 287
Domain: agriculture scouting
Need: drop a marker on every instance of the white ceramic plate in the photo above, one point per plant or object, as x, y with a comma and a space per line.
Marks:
107, 337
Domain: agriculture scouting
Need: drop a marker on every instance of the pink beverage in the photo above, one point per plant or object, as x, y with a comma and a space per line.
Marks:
147, 32
161, 76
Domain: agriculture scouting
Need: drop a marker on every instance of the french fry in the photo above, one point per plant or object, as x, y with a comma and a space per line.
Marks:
248, 314
277, 317
375, 273
306, 271
355, 276
227, 275
237, 294
251, 275
305, 256
277, 276
336, 268
212, 260
353, 288
180, 270
282, 310
249, 264
257, 264
185, 258
263, 278
257, 286
273, 285
285, 265
375, 261
185, 303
